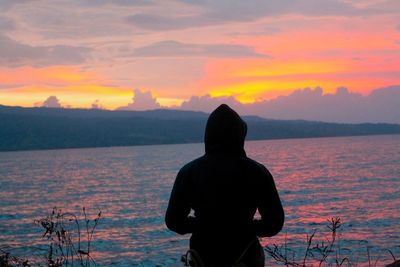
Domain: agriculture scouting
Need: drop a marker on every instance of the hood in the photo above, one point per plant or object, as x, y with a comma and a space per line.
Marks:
225, 132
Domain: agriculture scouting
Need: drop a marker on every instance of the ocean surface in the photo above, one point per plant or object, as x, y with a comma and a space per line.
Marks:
354, 178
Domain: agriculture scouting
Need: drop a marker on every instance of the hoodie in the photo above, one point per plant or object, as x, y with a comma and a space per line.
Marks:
224, 188
225, 132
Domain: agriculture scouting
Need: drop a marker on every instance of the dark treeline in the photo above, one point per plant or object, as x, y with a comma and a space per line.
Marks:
48, 128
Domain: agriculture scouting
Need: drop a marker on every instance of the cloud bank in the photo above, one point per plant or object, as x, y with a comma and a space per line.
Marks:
171, 48
381, 105
220, 12
15, 54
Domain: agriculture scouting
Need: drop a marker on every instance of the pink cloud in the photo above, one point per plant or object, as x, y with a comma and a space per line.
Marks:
141, 101
52, 102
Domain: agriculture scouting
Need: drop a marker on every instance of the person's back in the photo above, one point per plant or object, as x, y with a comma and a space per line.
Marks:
225, 188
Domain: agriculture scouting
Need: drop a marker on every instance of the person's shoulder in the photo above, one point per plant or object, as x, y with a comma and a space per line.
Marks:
253, 163
192, 164
256, 166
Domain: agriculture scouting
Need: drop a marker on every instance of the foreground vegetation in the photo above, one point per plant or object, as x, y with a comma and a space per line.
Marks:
69, 238
322, 253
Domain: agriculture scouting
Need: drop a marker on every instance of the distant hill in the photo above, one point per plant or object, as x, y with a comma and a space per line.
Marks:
53, 128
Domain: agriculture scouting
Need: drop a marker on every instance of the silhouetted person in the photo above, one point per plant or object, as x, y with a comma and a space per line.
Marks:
225, 188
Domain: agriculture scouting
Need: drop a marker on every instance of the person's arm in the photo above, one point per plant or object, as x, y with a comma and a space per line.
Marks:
269, 207
176, 217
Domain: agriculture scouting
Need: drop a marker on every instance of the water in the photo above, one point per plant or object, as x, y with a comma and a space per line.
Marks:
356, 178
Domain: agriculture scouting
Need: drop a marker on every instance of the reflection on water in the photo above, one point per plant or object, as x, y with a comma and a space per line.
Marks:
356, 178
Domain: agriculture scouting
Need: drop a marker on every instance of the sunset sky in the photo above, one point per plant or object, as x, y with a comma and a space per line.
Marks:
98, 53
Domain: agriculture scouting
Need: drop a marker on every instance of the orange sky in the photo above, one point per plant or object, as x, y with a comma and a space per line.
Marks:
80, 56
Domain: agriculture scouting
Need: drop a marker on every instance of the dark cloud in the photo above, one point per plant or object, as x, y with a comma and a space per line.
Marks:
77, 20
382, 105
254, 9
6, 24
177, 49
265, 30
7, 4
385, 6
164, 23
68, 24
95, 3
142, 101
224, 11
52, 102
15, 54
73, 19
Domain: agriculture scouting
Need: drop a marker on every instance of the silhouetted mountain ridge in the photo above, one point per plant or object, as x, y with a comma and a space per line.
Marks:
92, 113
52, 128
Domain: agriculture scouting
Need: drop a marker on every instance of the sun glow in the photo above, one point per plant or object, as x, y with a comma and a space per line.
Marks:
52, 75
169, 102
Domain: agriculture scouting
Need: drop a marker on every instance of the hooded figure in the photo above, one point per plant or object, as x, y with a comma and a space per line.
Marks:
225, 188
